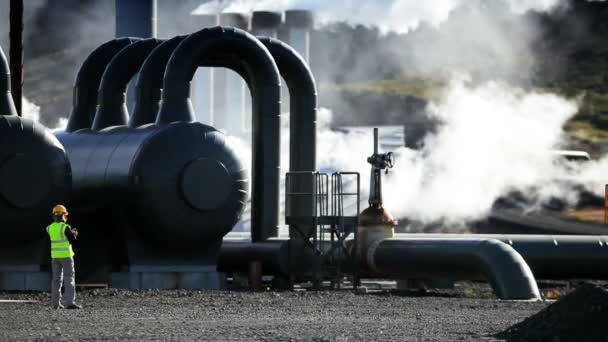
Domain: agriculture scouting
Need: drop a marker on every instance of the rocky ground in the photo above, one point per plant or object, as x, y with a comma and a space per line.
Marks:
466, 313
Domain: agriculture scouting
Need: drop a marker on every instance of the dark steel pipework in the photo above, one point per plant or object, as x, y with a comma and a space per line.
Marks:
235, 47
150, 82
7, 106
302, 104
87, 83
112, 105
550, 256
470, 258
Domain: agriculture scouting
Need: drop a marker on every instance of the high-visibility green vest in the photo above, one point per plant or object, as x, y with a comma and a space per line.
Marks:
60, 246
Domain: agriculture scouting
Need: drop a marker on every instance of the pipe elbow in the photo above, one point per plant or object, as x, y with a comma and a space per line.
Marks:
506, 270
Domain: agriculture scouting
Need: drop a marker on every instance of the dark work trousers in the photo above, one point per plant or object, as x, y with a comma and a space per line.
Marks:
63, 273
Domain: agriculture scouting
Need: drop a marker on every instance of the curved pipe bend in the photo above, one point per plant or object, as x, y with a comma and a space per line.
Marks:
7, 106
150, 83
302, 104
111, 99
87, 83
499, 263
242, 51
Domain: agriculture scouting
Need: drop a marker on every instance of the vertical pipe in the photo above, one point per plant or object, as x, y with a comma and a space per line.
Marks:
202, 87
7, 107
135, 18
16, 52
298, 24
266, 24
263, 77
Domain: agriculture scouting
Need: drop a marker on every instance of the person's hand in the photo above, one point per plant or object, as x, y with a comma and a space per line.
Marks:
74, 232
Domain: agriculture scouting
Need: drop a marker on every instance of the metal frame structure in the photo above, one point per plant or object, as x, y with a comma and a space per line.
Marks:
324, 221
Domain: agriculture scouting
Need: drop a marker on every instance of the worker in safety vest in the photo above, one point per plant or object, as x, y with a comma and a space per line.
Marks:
62, 259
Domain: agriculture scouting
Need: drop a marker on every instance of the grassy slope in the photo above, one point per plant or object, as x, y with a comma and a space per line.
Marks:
591, 122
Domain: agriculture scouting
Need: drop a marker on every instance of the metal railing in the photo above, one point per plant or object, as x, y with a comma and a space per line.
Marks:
316, 214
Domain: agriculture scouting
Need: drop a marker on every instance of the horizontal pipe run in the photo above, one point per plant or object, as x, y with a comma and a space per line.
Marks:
236, 255
495, 261
550, 256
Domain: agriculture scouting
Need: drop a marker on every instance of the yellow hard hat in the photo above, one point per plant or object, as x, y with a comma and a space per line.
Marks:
60, 209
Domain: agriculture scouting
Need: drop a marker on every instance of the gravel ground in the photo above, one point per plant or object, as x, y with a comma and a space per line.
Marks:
179, 315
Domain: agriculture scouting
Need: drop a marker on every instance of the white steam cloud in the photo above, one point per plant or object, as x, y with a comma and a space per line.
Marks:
388, 15
32, 111
494, 139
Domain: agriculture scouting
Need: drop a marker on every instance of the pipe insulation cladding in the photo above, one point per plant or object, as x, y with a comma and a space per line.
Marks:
550, 256
178, 184
230, 47
111, 99
87, 83
469, 258
34, 170
150, 82
7, 106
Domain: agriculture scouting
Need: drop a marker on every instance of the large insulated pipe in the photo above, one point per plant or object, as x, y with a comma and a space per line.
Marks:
112, 107
298, 24
7, 106
202, 85
303, 121
150, 83
497, 262
87, 83
229, 95
303, 104
550, 256
266, 24
240, 48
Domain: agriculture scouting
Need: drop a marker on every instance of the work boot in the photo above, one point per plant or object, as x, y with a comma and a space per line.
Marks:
74, 306
57, 307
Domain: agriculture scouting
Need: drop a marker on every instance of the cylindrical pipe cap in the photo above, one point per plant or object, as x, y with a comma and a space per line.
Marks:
299, 19
266, 20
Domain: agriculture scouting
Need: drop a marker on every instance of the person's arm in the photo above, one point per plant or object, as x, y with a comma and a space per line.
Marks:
70, 233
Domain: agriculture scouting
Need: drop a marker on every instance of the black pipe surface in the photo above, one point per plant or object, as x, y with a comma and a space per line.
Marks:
150, 83
111, 99
497, 262
7, 106
236, 47
302, 104
550, 256
87, 83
